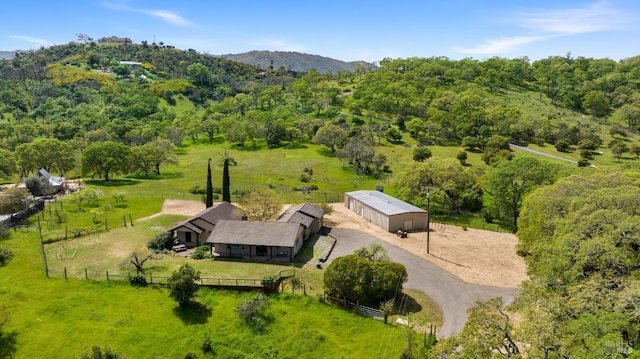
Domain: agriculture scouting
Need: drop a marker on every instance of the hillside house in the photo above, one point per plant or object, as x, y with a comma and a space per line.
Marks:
195, 230
114, 40
310, 216
387, 212
253, 240
56, 183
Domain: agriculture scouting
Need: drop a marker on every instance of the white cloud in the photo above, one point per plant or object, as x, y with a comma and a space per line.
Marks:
550, 23
167, 16
31, 40
498, 46
170, 17
591, 18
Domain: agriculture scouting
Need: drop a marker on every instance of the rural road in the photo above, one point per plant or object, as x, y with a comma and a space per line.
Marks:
527, 149
453, 295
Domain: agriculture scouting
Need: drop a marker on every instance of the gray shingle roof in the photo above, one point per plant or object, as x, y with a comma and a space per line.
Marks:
188, 225
255, 233
298, 217
383, 202
220, 210
303, 213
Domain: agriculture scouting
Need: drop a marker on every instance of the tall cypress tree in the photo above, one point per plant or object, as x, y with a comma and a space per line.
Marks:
209, 196
226, 184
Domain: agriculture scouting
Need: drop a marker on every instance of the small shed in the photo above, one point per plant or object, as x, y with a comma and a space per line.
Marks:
387, 212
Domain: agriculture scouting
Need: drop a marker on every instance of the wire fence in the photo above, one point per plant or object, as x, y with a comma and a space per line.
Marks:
356, 307
245, 284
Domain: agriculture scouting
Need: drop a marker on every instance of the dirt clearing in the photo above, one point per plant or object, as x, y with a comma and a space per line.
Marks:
475, 256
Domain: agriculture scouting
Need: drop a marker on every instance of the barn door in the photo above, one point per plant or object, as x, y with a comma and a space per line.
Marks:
408, 225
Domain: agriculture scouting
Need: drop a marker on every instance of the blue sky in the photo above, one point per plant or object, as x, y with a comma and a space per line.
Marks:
345, 30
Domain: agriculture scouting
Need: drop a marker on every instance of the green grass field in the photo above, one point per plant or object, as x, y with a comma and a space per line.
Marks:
53, 318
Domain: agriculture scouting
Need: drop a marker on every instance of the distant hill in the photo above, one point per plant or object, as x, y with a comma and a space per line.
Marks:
7, 55
295, 61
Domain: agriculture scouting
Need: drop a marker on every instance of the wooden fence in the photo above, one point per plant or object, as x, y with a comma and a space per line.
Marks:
19, 217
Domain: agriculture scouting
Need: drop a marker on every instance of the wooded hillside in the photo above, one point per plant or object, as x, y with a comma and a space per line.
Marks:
133, 106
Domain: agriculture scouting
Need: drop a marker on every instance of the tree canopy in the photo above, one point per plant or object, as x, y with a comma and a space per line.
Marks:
358, 278
105, 159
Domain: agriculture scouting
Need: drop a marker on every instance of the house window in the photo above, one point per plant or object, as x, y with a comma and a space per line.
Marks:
261, 251
187, 237
282, 252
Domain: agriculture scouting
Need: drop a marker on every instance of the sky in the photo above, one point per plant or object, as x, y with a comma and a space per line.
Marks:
347, 30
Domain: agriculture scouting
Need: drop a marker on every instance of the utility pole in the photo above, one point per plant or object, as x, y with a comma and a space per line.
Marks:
428, 218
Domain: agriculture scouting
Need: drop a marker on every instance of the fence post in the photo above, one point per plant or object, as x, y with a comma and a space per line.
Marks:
66, 232
65, 273
106, 225
86, 275
107, 276
130, 220
124, 219
150, 278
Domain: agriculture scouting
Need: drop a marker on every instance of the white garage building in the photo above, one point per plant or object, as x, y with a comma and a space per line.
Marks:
385, 211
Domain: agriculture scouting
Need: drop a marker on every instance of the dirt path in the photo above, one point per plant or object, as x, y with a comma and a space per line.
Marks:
475, 256
177, 206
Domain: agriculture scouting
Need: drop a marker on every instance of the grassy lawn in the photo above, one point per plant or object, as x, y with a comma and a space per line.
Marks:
63, 318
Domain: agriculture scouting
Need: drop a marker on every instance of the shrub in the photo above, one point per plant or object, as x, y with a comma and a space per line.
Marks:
138, 280
191, 355
462, 157
584, 163
421, 153
202, 252
584, 153
197, 190
5, 255
306, 188
161, 242
252, 310
304, 178
563, 145
182, 284
617, 131
207, 344
4, 232
98, 353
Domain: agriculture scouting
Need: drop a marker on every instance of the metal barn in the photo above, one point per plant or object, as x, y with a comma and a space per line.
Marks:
385, 211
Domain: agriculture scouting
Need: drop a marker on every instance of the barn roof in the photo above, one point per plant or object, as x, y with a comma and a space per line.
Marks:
255, 233
383, 202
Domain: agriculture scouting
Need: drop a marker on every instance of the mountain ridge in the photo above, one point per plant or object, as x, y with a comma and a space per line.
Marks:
295, 61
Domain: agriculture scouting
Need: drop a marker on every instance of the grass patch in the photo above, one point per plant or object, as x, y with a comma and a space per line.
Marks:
64, 318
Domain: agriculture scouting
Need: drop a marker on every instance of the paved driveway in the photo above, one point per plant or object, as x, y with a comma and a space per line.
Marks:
452, 294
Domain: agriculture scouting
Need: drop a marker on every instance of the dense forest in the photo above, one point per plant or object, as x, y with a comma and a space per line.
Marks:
121, 109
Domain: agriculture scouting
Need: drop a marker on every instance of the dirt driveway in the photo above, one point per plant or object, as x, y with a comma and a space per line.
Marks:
475, 256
